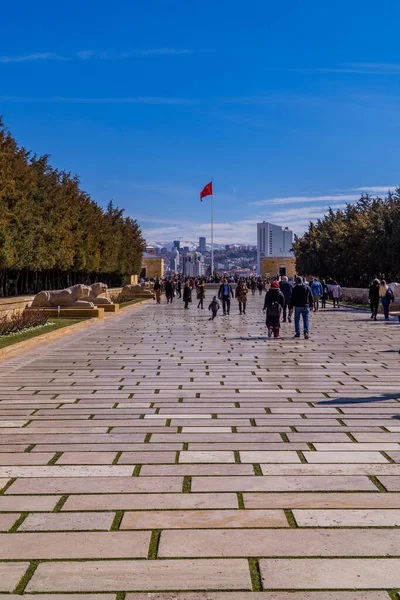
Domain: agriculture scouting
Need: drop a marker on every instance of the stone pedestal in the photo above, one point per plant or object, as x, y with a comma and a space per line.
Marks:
72, 313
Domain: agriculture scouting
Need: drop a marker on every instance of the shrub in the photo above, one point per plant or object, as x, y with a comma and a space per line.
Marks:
17, 321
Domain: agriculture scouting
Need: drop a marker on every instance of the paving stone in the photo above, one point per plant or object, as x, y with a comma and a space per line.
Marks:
10, 574
256, 596
392, 484
321, 500
203, 519
150, 501
96, 521
132, 458
94, 485
271, 484
197, 469
280, 542
345, 457
286, 456
323, 573
141, 575
28, 503
206, 457
25, 458
86, 458
116, 544
7, 520
347, 518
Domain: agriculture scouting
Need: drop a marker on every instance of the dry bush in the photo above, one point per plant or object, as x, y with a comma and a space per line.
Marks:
17, 321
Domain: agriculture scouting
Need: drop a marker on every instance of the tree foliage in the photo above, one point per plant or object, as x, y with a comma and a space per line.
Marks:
354, 245
52, 234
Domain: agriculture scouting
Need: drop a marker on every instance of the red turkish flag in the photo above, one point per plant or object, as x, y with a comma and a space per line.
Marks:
206, 191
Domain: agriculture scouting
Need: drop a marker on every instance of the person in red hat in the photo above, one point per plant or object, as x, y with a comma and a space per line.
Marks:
273, 304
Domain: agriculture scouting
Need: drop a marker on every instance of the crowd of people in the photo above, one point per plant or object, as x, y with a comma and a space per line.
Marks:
285, 298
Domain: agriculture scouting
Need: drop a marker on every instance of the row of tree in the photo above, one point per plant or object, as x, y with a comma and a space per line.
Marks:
52, 234
354, 245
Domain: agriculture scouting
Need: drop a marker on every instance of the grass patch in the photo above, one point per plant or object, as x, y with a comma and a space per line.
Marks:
187, 484
117, 520
22, 336
240, 500
255, 575
25, 579
154, 544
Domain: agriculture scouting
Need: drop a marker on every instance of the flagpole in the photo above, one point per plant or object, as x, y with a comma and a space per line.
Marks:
212, 232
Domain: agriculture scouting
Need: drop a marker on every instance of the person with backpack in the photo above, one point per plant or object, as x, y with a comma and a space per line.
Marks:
302, 300
316, 289
273, 304
386, 297
253, 286
214, 307
157, 290
260, 285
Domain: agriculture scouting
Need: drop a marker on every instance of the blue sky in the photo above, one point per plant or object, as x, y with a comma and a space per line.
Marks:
291, 107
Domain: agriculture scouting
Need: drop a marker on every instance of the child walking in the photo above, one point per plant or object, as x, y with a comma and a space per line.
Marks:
214, 307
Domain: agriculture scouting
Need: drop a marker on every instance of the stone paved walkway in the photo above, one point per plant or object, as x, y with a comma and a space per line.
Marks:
159, 452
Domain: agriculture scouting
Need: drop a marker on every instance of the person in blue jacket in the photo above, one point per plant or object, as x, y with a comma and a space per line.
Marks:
317, 292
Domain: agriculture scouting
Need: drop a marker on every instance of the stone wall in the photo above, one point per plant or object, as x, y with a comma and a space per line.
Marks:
271, 265
154, 267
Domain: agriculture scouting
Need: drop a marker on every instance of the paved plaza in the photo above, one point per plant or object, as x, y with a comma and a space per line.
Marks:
158, 455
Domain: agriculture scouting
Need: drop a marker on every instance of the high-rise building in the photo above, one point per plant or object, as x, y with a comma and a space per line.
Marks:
227, 247
193, 264
202, 244
177, 244
273, 241
174, 262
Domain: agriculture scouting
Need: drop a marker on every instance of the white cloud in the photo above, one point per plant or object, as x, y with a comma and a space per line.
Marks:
151, 100
379, 189
307, 199
164, 52
31, 57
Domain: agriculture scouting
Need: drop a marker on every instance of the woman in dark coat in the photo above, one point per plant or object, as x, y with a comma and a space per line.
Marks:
373, 298
201, 293
273, 304
187, 295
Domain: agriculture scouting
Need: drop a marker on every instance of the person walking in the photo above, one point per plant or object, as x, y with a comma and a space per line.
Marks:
214, 307
316, 289
373, 298
169, 290
179, 287
286, 289
241, 295
302, 300
336, 293
253, 286
187, 295
157, 290
386, 296
201, 293
225, 292
273, 304
260, 286
325, 294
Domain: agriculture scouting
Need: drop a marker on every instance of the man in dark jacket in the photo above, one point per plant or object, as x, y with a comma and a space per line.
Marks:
225, 292
286, 289
373, 297
302, 300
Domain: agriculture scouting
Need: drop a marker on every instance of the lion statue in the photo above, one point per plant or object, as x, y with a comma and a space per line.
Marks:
76, 296
129, 292
95, 294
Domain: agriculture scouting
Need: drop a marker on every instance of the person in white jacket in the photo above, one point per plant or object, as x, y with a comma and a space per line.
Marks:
336, 294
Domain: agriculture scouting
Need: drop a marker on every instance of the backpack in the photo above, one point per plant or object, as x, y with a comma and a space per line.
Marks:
390, 295
274, 309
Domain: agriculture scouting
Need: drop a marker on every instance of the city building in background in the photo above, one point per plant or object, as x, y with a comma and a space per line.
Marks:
273, 241
177, 244
193, 264
174, 261
202, 244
